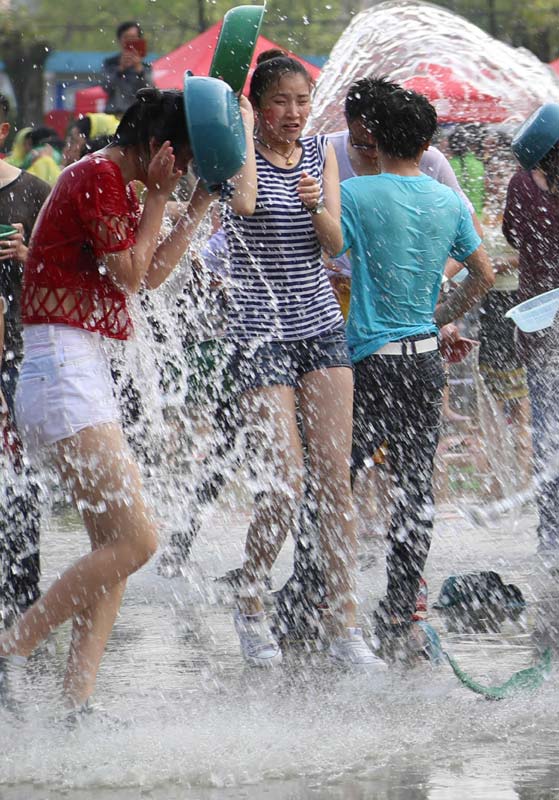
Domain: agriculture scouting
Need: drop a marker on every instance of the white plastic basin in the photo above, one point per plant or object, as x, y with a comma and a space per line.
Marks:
536, 313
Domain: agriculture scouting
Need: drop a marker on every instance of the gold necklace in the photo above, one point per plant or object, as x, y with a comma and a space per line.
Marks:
288, 157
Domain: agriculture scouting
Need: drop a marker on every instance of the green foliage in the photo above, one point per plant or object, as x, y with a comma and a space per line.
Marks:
20, 31
532, 25
24, 52
302, 25
306, 26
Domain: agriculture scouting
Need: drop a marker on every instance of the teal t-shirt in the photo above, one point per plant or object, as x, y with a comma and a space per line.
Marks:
400, 231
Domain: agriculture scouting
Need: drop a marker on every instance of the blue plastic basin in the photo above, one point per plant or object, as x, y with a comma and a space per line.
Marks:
537, 135
215, 129
536, 313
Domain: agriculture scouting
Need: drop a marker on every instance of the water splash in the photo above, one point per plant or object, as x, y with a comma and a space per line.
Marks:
468, 75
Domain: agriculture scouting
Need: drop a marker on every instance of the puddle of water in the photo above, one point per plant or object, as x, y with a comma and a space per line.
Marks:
200, 725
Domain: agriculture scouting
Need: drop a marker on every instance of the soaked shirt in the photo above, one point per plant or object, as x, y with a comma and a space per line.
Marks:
401, 230
90, 213
279, 290
433, 163
20, 201
531, 225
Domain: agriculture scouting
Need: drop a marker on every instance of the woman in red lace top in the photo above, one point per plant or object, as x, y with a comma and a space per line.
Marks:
91, 247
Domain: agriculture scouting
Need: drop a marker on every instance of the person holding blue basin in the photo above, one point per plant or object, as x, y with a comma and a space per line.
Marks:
531, 225
78, 276
291, 354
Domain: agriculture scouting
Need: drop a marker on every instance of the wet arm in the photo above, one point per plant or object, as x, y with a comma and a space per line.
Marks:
453, 267
245, 182
480, 279
169, 252
327, 225
147, 259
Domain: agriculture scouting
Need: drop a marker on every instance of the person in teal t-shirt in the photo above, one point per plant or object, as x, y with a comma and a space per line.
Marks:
401, 226
399, 246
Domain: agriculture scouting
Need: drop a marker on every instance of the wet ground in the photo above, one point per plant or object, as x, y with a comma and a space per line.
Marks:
187, 720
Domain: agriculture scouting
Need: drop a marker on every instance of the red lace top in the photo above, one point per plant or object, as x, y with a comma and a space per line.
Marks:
89, 213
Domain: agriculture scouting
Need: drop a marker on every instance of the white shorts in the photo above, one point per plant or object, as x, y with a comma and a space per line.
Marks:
64, 385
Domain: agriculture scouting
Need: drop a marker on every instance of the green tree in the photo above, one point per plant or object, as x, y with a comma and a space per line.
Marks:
532, 25
24, 52
303, 25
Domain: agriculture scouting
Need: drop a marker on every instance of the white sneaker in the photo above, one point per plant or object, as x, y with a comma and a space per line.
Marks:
354, 652
258, 646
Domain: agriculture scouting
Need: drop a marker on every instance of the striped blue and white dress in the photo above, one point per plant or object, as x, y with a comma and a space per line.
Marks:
279, 289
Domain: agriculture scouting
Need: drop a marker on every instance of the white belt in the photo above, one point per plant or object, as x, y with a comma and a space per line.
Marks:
408, 348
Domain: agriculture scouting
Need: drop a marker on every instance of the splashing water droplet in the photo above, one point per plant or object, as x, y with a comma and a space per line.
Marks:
468, 75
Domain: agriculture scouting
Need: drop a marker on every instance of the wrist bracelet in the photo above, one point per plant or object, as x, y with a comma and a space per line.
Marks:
317, 209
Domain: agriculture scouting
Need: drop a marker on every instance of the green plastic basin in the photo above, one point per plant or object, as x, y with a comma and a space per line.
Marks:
6, 231
235, 46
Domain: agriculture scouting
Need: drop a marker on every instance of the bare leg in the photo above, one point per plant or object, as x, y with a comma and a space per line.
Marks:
106, 486
326, 398
90, 632
269, 414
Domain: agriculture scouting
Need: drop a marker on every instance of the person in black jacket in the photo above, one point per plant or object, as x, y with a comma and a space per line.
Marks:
21, 198
125, 73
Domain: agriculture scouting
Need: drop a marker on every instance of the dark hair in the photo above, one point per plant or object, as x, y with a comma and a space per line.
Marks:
44, 135
93, 145
125, 26
83, 125
466, 138
549, 165
41, 134
4, 108
154, 115
405, 121
363, 96
272, 52
272, 65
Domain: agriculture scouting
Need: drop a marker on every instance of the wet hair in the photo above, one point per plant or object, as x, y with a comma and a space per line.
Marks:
549, 165
404, 122
4, 108
154, 115
272, 65
93, 145
504, 139
466, 139
125, 26
363, 96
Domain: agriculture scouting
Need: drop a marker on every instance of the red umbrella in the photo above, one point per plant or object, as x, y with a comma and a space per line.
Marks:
456, 100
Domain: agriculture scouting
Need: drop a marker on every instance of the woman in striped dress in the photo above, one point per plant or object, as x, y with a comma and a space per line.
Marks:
290, 355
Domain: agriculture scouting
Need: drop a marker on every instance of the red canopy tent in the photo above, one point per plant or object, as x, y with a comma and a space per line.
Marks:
168, 71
